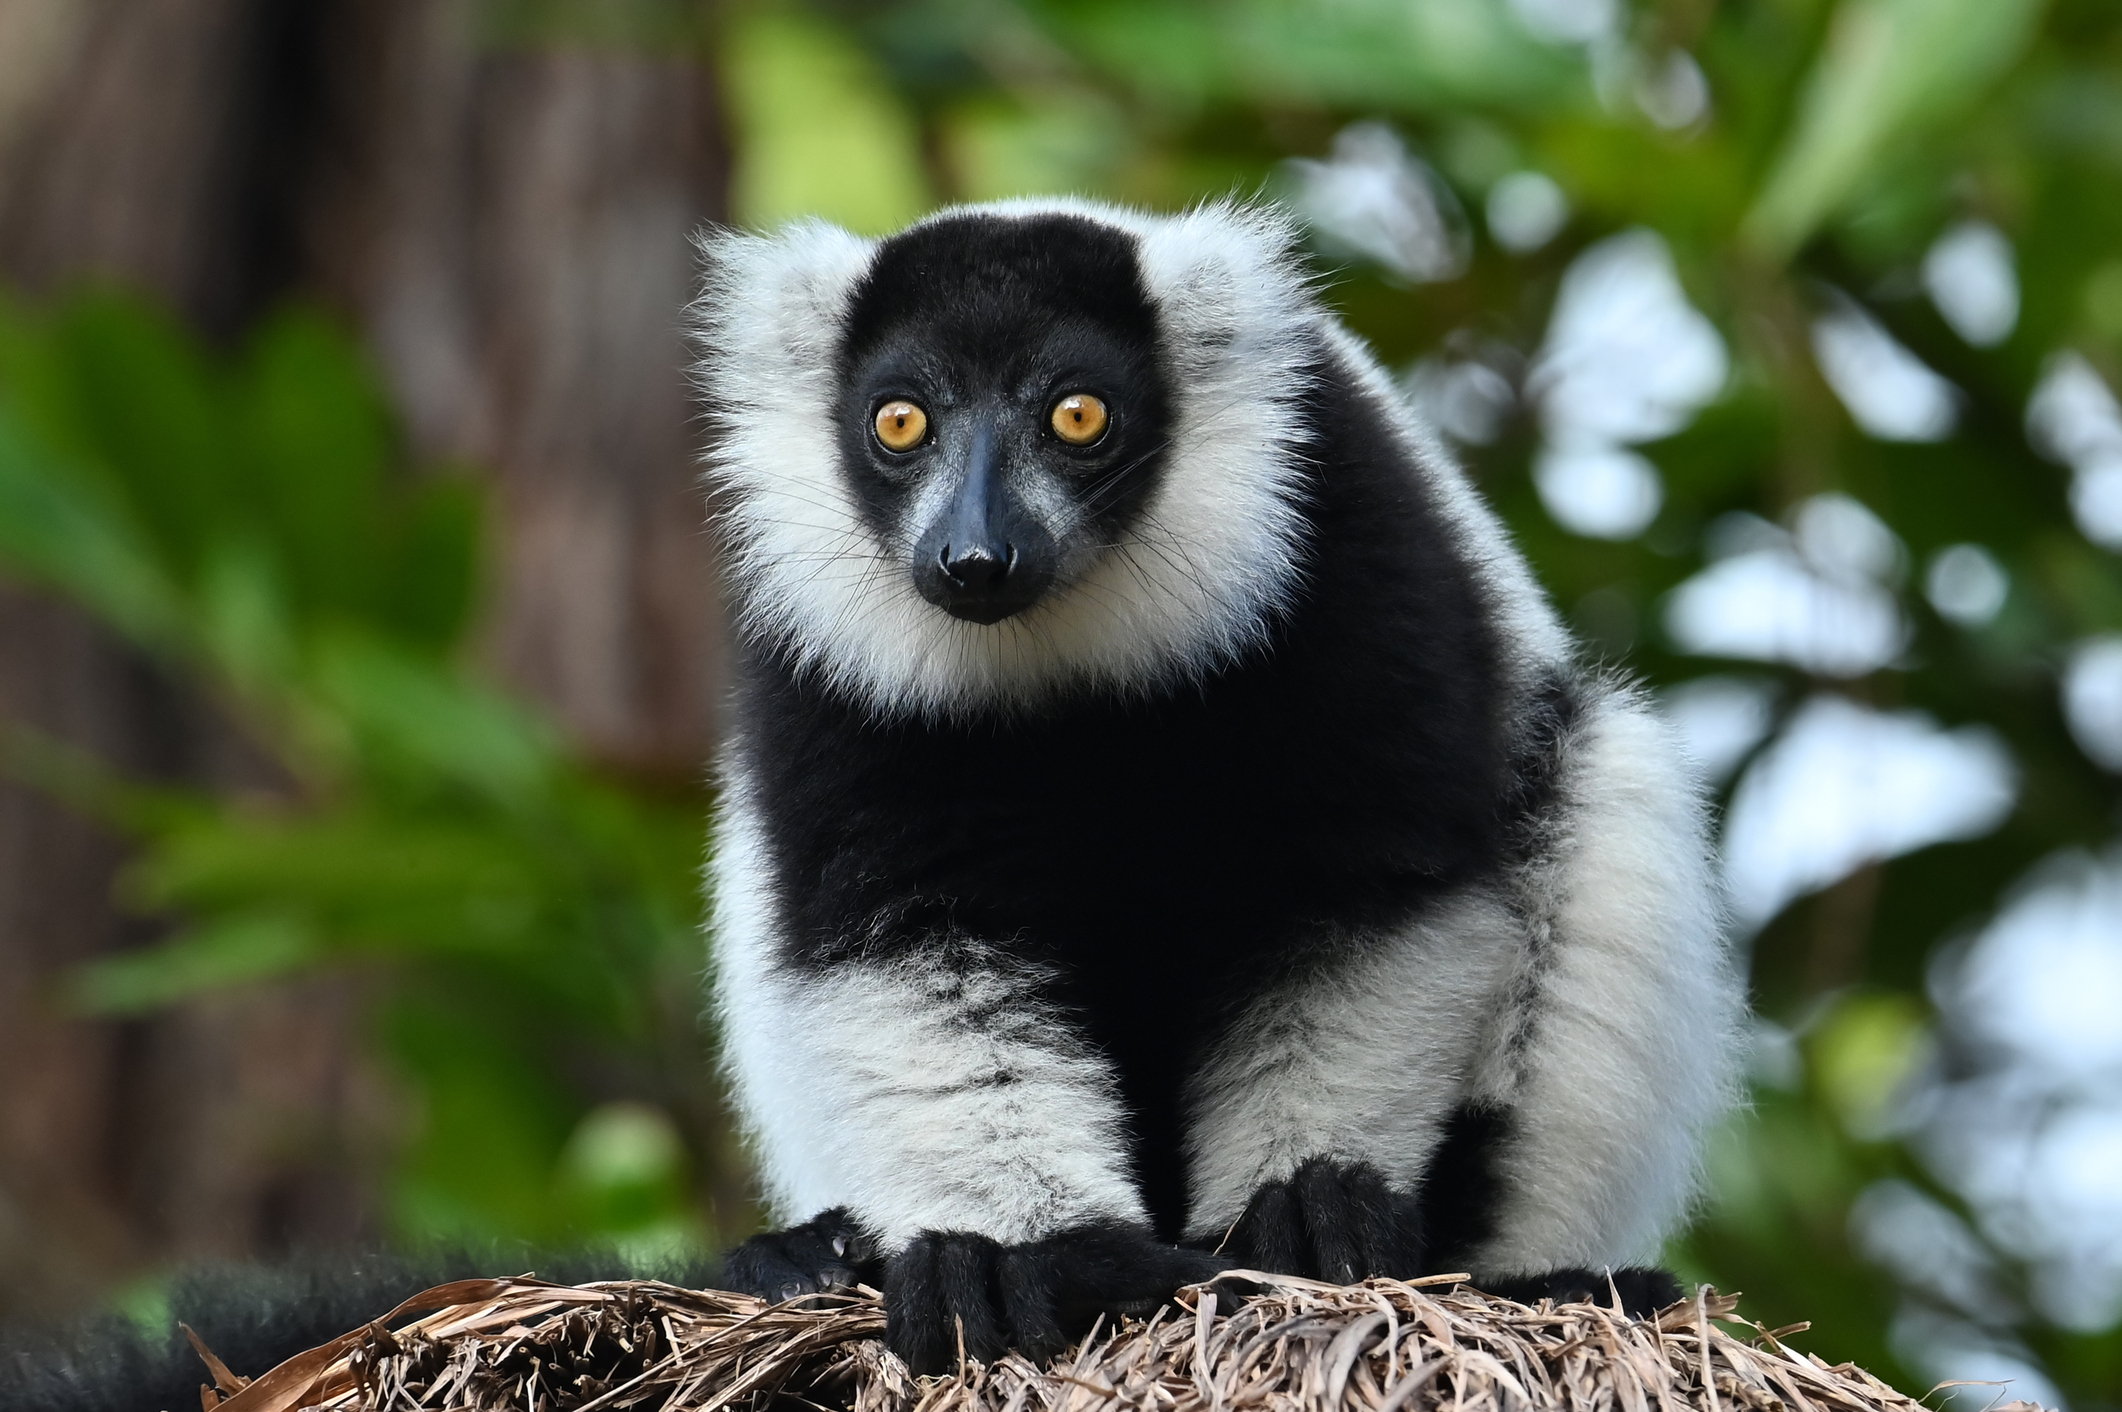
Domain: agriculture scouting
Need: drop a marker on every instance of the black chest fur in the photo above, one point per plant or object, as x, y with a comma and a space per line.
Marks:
1166, 855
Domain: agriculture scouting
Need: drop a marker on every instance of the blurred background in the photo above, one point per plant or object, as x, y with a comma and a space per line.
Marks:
360, 656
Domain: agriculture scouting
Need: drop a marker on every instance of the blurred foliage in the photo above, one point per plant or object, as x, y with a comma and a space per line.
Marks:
819, 128
529, 928
249, 524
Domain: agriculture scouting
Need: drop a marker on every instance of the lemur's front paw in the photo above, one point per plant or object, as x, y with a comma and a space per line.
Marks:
1035, 1298
1331, 1221
1644, 1289
829, 1251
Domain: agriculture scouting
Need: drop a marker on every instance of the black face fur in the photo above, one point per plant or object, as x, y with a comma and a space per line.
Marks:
986, 323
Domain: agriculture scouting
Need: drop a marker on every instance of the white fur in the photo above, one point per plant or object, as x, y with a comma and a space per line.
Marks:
1363, 1061
1629, 1007
921, 1096
1191, 586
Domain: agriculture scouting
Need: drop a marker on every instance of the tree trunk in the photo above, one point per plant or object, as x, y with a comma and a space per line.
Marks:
508, 228
512, 227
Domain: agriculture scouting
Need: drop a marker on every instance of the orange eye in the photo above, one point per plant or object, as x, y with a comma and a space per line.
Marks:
1079, 419
901, 425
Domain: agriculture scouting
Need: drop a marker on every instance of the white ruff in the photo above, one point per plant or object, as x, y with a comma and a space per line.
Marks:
1193, 584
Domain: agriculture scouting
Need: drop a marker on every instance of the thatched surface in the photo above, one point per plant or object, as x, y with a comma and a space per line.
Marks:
1382, 1346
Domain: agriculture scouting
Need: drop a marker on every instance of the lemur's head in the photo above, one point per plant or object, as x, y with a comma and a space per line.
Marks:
1013, 450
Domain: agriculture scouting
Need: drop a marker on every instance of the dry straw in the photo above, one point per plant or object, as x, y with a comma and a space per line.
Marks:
1381, 1346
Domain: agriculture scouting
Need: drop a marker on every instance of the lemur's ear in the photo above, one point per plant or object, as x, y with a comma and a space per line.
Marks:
1231, 287
770, 305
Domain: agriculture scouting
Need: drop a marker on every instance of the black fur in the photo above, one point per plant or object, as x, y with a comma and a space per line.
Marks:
1330, 1221
1643, 1290
253, 1317
986, 322
1458, 1191
1034, 1297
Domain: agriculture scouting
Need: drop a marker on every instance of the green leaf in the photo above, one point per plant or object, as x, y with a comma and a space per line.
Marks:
493, 1120
1889, 68
372, 871
58, 527
244, 616
427, 571
87, 785
417, 714
317, 446
233, 950
147, 406
1356, 53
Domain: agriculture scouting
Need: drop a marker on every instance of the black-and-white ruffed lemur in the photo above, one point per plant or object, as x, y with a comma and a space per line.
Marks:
1165, 826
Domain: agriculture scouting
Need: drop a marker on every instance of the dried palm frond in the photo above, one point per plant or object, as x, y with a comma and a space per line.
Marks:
1381, 1346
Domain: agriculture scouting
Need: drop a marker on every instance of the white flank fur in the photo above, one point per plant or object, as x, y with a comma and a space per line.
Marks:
918, 1094
1209, 558
1631, 1008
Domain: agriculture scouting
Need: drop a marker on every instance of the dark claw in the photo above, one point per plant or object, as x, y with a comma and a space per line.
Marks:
1036, 1297
1331, 1221
829, 1251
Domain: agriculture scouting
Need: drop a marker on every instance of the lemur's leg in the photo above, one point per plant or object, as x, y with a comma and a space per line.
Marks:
961, 1136
1313, 1121
1617, 1051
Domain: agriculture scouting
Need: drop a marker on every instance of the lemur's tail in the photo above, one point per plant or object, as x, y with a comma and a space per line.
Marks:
253, 1317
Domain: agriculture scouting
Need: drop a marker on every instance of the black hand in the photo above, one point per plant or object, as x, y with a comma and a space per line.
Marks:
1035, 1298
1644, 1290
829, 1251
1330, 1221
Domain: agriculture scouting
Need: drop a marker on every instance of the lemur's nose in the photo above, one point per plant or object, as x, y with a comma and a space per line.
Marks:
986, 555
979, 567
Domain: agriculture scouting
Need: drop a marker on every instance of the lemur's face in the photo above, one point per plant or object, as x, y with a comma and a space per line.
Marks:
1003, 413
